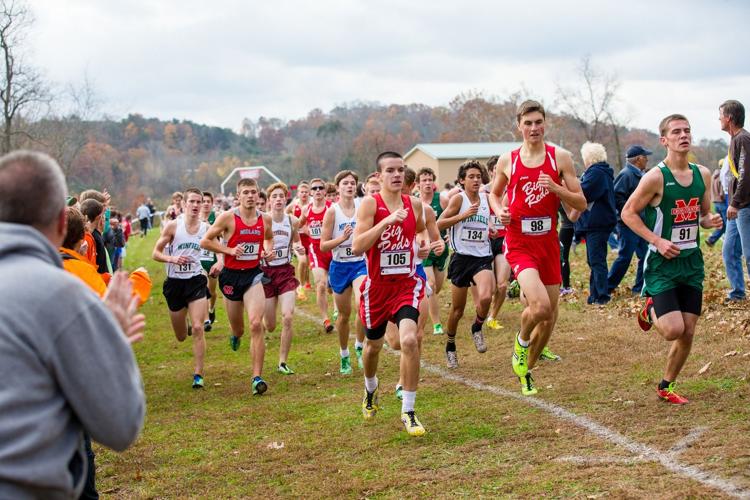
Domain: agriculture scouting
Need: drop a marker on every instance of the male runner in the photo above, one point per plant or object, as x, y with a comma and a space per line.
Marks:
209, 260
468, 217
185, 286
278, 270
319, 260
347, 270
387, 225
249, 237
434, 265
372, 184
533, 175
296, 208
262, 203
676, 202
500, 265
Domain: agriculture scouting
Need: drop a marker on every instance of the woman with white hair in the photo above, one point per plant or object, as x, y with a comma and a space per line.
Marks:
599, 219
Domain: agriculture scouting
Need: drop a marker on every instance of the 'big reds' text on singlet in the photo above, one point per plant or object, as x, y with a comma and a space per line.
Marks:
250, 238
188, 245
533, 208
282, 242
394, 255
343, 252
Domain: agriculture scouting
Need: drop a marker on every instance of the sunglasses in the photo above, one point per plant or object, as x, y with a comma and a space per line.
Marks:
317, 188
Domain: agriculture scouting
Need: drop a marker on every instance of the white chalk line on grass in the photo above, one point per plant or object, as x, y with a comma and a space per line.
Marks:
641, 451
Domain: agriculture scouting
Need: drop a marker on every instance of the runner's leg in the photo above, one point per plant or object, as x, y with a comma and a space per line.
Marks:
287, 303
198, 312
543, 329
254, 300
178, 323
321, 289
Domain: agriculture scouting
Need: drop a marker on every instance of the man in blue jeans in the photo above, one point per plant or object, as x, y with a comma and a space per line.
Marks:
719, 200
629, 242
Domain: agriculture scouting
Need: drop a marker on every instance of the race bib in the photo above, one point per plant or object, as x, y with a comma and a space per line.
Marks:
206, 255
685, 236
496, 222
473, 235
280, 256
346, 253
184, 268
398, 262
315, 232
536, 226
250, 251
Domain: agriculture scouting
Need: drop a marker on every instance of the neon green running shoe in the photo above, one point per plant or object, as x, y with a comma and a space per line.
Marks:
548, 355
514, 289
370, 404
346, 366
284, 369
520, 359
234, 342
437, 329
358, 351
412, 424
335, 315
527, 385
399, 392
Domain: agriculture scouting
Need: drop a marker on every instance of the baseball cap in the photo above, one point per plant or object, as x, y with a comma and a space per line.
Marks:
637, 150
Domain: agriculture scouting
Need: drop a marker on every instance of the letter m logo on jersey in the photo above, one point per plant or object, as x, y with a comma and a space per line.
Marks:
686, 211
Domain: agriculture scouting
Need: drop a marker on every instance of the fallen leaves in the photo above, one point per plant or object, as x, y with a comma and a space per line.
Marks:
705, 368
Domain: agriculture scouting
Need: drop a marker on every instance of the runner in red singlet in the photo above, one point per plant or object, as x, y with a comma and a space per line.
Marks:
387, 224
501, 267
249, 237
533, 175
319, 260
296, 208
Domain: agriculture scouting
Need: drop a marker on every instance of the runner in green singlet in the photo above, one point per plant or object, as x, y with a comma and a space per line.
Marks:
676, 203
434, 265
209, 260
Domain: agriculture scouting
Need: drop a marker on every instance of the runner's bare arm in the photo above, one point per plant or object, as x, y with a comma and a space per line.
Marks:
451, 216
290, 208
267, 236
327, 244
499, 183
437, 245
221, 225
165, 239
296, 240
708, 220
571, 192
365, 233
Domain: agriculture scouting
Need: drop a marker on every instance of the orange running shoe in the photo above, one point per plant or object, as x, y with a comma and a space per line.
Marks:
327, 325
644, 316
670, 396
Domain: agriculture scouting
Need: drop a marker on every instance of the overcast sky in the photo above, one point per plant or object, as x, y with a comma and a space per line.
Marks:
219, 62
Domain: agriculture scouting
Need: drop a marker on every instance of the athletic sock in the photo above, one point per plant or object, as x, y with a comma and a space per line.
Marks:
358, 344
477, 325
212, 310
371, 384
664, 384
522, 342
344, 352
450, 343
407, 403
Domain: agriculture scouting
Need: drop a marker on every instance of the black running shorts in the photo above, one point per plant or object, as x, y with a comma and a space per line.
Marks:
463, 268
233, 283
180, 292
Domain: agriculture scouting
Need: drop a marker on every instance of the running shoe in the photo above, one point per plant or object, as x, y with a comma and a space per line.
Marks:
327, 326
212, 316
520, 359
527, 385
358, 351
644, 316
307, 286
514, 289
478, 338
437, 329
207, 325
548, 355
412, 424
346, 366
566, 291
370, 404
234, 342
452, 357
190, 330
670, 396
259, 386
494, 324
399, 392
335, 315
197, 381
301, 295
284, 369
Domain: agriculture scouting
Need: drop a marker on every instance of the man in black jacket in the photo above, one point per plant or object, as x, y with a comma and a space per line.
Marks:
626, 182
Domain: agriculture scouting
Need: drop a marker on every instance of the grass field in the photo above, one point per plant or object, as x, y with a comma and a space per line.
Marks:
483, 440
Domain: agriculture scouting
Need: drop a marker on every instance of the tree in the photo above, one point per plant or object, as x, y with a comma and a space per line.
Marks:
22, 88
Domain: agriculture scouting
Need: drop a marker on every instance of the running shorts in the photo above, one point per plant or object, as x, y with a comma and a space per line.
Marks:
341, 275
542, 254
683, 298
661, 274
233, 283
279, 280
180, 292
463, 268
381, 300
497, 245
318, 258
436, 261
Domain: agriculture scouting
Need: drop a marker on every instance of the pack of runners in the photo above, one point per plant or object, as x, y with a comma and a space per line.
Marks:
382, 248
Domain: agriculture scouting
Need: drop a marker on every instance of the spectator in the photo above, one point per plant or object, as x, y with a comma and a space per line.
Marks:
565, 234
629, 242
151, 211
719, 199
114, 241
599, 219
144, 215
79, 374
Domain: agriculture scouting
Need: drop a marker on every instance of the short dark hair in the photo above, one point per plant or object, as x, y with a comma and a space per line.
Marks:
208, 194
32, 189
331, 188
246, 182
529, 106
735, 111
469, 164
385, 155
262, 195
664, 124
410, 176
491, 162
344, 174
426, 171
76, 228
91, 208
192, 190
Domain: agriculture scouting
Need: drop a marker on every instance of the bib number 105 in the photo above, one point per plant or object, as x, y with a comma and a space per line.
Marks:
395, 263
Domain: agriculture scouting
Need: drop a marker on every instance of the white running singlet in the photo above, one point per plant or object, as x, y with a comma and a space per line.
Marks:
343, 252
282, 242
471, 236
188, 245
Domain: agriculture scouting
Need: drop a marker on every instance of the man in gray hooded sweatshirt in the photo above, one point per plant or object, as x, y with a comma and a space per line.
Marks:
66, 366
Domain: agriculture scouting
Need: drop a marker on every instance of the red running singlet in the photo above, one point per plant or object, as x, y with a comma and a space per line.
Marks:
394, 256
250, 238
533, 208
